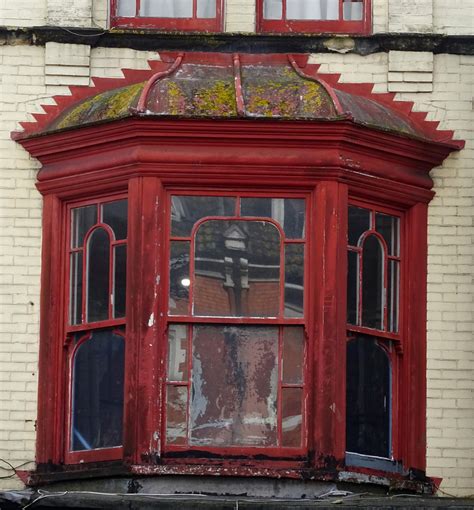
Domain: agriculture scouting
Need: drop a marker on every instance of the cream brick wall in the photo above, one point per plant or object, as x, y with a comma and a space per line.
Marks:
453, 16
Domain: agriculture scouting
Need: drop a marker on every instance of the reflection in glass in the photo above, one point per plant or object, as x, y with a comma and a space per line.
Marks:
179, 278
114, 214
392, 295
234, 386
75, 296
388, 227
166, 8
176, 405
368, 400
289, 213
187, 210
82, 219
292, 417
120, 279
359, 222
293, 350
98, 260
272, 9
352, 287
126, 8
177, 352
206, 9
97, 392
372, 283
353, 10
237, 269
312, 9
294, 280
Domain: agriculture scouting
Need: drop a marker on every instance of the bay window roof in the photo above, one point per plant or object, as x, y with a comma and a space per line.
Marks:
235, 86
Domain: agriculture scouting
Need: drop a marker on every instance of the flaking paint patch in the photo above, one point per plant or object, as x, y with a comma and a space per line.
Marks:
151, 320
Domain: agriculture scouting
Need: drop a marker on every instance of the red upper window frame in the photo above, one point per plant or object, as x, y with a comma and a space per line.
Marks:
193, 24
339, 26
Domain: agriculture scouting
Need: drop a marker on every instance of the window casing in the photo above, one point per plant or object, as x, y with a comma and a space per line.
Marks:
180, 15
309, 16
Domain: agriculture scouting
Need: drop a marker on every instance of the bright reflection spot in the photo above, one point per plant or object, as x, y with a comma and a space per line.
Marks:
185, 282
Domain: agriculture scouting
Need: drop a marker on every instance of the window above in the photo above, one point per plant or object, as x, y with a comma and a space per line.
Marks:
329, 16
195, 15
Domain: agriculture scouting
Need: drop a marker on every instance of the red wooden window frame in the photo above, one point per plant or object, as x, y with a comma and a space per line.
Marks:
339, 26
85, 328
390, 341
279, 321
193, 24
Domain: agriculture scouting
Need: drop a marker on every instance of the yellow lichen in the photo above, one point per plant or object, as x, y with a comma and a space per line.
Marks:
215, 100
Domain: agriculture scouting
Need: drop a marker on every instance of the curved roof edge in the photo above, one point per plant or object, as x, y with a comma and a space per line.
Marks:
224, 85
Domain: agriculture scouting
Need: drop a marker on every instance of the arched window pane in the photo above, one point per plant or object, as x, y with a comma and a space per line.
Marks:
237, 269
120, 279
114, 214
368, 399
359, 222
352, 287
372, 283
97, 392
98, 265
82, 219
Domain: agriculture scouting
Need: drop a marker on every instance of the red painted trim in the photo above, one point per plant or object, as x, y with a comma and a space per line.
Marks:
340, 26
238, 86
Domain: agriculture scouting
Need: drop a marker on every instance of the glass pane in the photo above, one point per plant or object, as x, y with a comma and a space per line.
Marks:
206, 8
368, 398
294, 280
166, 8
388, 227
126, 8
234, 386
97, 392
288, 212
359, 222
237, 269
83, 218
353, 10
372, 283
352, 287
312, 9
176, 405
392, 293
186, 210
293, 354
114, 214
98, 261
120, 280
291, 416
75, 294
179, 278
177, 352
272, 9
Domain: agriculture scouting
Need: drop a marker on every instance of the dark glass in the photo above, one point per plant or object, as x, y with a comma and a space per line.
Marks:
177, 352
114, 214
179, 278
82, 220
97, 392
234, 386
98, 261
368, 399
75, 286
392, 295
372, 283
352, 287
288, 212
237, 269
176, 406
187, 210
120, 279
291, 416
293, 355
294, 280
388, 227
359, 222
